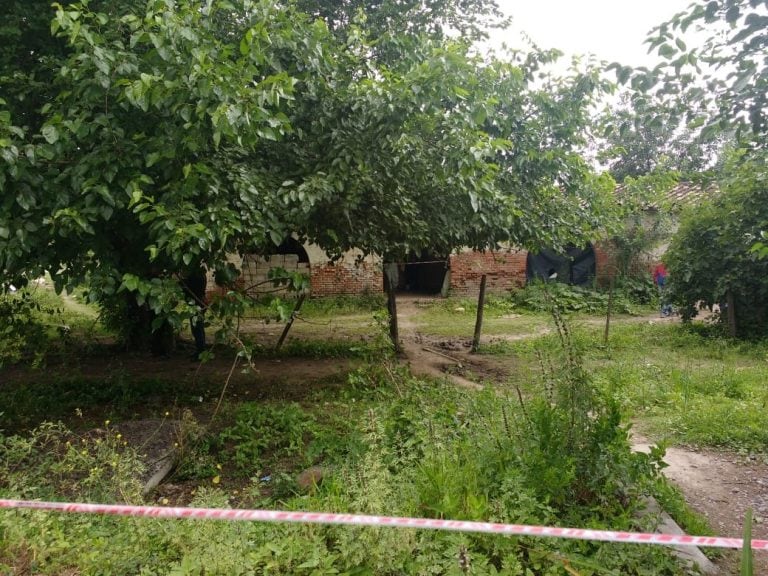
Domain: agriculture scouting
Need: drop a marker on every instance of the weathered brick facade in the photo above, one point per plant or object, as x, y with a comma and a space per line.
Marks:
505, 270
332, 279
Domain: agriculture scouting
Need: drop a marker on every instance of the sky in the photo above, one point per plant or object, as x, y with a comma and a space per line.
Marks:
613, 30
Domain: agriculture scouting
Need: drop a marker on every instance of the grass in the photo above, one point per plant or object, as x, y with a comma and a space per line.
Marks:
680, 383
394, 444
455, 317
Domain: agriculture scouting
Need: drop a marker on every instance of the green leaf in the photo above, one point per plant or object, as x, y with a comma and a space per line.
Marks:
680, 44
667, 51
131, 282
50, 133
153, 158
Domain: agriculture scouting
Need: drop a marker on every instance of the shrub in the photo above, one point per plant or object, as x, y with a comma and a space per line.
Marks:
709, 259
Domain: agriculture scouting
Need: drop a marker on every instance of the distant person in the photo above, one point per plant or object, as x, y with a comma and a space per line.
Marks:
194, 284
660, 279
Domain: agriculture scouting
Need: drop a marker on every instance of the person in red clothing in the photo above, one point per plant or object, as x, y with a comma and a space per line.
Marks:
660, 279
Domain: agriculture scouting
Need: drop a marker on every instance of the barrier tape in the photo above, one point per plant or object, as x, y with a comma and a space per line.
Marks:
388, 521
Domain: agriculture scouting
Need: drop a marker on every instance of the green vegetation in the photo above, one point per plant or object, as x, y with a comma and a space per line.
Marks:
547, 446
710, 261
456, 317
683, 384
416, 448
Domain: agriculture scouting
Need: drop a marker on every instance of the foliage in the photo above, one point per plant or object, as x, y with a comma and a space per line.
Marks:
639, 136
173, 135
388, 18
541, 296
647, 221
260, 429
681, 383
719, 84
710, 258
22, 333
390, 444
52, 462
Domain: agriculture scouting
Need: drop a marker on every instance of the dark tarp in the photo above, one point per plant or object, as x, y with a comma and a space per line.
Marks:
576, 266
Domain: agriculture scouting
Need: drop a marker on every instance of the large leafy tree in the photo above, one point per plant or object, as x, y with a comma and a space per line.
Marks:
710, 260
137, 171
640, 135
183, 131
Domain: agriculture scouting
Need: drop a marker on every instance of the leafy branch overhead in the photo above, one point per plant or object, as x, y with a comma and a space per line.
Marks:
720, 83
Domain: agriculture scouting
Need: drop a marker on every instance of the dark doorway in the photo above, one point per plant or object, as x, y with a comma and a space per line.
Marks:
576, 266
289, 246
422, 273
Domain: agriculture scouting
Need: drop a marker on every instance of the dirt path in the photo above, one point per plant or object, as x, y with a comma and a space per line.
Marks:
445, 358
722, 486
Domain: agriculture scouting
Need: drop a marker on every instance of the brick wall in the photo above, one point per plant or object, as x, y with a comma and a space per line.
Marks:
504, 270
346, 277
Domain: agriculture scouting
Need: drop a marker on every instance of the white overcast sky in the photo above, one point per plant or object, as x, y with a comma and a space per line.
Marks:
612, 30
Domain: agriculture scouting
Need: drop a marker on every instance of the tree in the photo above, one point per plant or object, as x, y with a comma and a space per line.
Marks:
469, 19
640, 136
182, 133
709, 259
722, 82
135, 174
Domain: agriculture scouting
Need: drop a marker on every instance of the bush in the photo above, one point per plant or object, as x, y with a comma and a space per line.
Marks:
542, 296
22, 332
709, 257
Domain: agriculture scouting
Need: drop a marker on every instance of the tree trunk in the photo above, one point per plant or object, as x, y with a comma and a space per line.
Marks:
287, 328
731, 314
392, 308
479, 320
608, 313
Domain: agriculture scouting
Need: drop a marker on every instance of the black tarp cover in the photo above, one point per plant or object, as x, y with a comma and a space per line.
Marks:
576, 266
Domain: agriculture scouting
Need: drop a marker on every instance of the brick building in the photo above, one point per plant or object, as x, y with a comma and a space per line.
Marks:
458, 274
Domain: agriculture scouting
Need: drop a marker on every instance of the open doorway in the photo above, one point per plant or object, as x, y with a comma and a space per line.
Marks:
289, 247
576, 266
422, 273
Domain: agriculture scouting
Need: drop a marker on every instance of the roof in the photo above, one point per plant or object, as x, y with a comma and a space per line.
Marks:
681, 195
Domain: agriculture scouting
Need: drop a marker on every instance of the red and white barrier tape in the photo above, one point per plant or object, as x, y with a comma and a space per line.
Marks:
392, 521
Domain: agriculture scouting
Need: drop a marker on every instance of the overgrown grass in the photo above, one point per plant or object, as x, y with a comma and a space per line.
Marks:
389, 444
320, 308
680, 383
36, 324
423, 453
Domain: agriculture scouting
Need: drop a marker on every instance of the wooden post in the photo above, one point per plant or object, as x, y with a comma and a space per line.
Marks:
287, 328
732, 327
392, 308
608, 313
479, 320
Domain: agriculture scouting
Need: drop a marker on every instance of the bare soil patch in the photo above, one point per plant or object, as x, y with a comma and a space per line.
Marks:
722, 485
